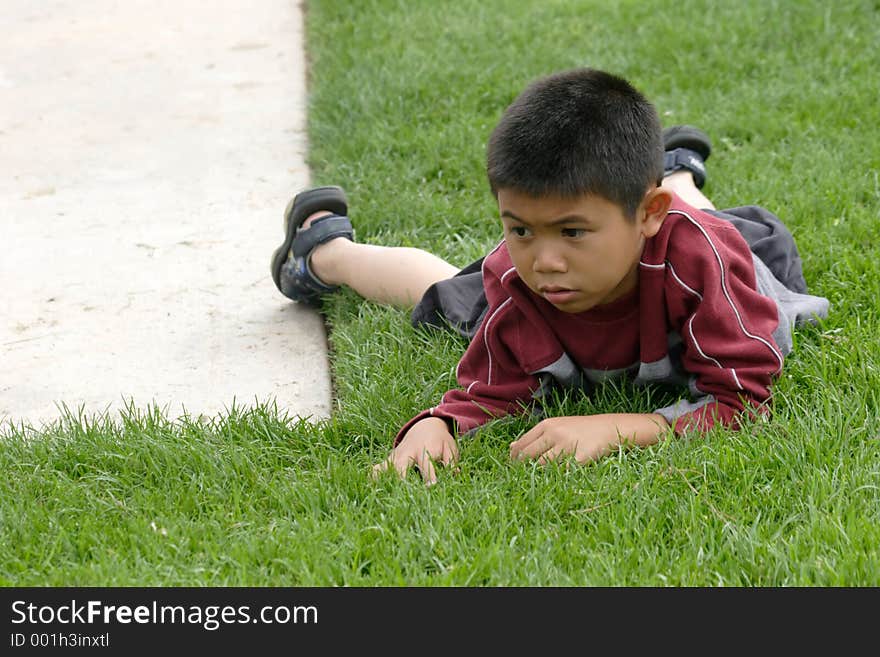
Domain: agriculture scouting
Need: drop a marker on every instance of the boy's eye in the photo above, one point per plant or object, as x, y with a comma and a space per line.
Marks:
519, 231
573, 232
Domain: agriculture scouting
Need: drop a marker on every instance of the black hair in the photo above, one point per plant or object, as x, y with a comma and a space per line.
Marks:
578, 132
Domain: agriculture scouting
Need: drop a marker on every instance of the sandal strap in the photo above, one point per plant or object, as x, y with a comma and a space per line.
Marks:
319, 231
685, 158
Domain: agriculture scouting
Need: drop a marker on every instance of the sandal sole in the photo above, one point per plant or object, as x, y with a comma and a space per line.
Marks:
687, 136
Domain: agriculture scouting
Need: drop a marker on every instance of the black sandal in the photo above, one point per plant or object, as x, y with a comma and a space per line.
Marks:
688, 148
290, 262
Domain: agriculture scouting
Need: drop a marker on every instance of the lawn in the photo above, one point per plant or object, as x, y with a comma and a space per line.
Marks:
402, 98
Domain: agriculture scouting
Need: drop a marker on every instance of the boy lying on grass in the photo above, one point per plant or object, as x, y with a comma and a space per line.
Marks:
613, 264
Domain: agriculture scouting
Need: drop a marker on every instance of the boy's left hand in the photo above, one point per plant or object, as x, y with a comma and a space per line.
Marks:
587, 437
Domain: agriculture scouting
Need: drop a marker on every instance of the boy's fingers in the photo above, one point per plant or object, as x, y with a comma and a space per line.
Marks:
426, 468
402, 464
525, 440
399, 463
380, 467
449, 455
534, 449
550, 455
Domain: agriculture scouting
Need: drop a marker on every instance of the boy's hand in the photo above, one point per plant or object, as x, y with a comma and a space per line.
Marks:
426, 441
587, 437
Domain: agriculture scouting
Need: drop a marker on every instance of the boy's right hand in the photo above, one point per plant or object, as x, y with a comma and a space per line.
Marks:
426, 441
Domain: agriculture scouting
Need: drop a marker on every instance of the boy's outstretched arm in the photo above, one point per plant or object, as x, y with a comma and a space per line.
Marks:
426, 441
587, 437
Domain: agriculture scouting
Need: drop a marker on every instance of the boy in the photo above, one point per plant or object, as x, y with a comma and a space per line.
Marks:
607, 269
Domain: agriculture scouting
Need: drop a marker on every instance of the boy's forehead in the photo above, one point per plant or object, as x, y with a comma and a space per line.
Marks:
515, 204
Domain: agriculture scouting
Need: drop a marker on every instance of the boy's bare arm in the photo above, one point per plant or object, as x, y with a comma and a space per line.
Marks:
588, 437
426, 442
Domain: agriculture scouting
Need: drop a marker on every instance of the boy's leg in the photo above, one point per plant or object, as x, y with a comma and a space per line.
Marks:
682, 183
319, 254
395, 275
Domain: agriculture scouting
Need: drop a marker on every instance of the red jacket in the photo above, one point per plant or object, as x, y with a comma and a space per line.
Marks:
695, 319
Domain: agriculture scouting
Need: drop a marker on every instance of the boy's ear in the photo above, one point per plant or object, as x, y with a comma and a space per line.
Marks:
655, 206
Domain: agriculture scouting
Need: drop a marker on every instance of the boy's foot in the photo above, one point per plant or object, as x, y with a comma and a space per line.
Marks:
688, 148
290, 261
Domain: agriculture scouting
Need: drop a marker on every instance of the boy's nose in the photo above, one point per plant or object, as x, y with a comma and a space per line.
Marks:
547, 260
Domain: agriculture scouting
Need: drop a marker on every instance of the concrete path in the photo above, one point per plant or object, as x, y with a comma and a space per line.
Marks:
147, 151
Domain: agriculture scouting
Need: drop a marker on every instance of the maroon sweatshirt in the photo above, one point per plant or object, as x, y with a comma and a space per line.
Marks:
695, 319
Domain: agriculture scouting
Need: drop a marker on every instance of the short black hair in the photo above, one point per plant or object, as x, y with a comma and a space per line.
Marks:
576, 132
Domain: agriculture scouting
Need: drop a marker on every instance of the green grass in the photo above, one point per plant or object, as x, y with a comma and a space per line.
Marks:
403, 96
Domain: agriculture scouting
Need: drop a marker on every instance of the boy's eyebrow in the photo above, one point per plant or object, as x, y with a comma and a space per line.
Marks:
567, 219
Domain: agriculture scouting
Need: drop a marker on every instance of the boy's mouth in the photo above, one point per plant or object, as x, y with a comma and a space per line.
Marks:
557, 295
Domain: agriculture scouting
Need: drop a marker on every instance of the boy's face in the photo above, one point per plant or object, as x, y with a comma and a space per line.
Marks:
576, 253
